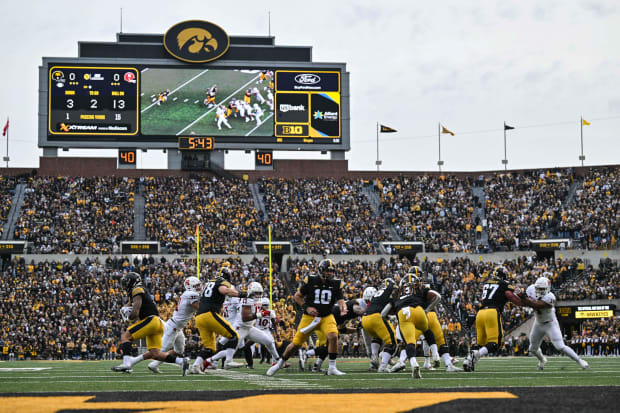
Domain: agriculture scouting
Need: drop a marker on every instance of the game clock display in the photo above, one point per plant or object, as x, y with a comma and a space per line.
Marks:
93, 100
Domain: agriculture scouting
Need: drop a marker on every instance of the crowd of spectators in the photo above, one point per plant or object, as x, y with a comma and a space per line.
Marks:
599, 337
76, 215
593, 218
601, 283
320, 215
7, 188
56, 309
435, 210
222, 208
524, 205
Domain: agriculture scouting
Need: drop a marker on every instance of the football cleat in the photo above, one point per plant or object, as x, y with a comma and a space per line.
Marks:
302, 359
383, 368
584, 364
196, 370
154, 368
316, 369
454, 360
122, 368
185, 366
208, 364
397, 367
333, 371
541, 363
429, 368
232, 365
467, 364
436, 363
272, 370
416, 372
374, 361
453, 369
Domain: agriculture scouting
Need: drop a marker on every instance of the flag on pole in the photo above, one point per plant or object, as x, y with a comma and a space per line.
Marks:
508, 127
387, 129
444, 130
6, 128
197, 251
583, 122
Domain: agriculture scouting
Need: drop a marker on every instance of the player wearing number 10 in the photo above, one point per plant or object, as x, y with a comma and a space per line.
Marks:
317, 295
495, 294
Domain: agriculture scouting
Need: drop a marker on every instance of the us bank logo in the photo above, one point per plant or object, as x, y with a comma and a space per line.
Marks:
196, 41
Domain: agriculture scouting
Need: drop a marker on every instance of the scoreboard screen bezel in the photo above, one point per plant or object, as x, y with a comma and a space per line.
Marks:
273, 142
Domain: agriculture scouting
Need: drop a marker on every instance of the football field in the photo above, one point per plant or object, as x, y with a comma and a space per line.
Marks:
506, 384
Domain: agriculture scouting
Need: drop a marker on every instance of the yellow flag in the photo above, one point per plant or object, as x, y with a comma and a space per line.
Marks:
584, 122
444, 130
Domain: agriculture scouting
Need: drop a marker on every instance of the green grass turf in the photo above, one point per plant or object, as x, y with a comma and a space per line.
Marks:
86, 376
185, 102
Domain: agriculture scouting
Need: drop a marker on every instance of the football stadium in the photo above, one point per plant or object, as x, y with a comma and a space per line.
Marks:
296, 285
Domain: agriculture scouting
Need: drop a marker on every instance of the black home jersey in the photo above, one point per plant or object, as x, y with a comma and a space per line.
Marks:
211, 299
382, 298
350, 313
409, 298
494, 293
423, 294
148, 307
320, 294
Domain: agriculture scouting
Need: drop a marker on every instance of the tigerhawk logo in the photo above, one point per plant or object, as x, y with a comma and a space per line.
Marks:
196, 41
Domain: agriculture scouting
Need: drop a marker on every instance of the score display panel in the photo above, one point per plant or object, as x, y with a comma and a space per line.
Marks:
153, 106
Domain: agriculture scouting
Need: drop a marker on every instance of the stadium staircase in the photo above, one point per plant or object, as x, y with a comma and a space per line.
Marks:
571, 193
375, 205
139, 233
479, 215
16, 206
259, 204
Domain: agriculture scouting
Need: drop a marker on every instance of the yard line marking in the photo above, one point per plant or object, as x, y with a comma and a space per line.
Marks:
260, 380
213, 108
259, 125
24, 368
144, 70
189, 81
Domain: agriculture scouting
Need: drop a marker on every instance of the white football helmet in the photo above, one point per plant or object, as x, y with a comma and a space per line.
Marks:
265, 303
369, 292
125, 312
542, 286
193, 284
255, 290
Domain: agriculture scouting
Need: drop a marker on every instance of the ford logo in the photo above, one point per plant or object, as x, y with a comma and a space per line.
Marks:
307, 79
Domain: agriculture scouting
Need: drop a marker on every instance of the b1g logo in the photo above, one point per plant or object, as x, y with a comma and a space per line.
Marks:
196, 41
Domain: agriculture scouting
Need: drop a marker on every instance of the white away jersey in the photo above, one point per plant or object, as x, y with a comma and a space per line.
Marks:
266, 322
254, 307
184, 311
230, 309
543, 315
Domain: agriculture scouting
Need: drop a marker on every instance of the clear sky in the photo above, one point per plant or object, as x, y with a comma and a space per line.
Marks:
469, 65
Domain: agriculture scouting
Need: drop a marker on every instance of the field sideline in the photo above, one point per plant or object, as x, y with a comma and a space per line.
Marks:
502, 380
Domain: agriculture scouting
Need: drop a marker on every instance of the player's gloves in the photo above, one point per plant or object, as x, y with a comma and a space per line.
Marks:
259, 314
522, 295
125, 312
243, 294
266, 313
406, 313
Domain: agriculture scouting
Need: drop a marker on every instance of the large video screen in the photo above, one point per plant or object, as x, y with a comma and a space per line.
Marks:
207, 102
156, 106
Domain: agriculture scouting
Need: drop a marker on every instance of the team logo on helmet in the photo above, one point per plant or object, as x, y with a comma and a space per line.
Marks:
196, 41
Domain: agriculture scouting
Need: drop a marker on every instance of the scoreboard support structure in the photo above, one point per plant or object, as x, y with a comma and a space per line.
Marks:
134, 95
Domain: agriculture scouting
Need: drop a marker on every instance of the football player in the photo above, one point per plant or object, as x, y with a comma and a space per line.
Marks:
542, 300
496, 292
317, 295
257, 112
376, 325
412, 318
270, 99
209, 100
431, 298
221, 117
184, 311
247, 98
208, 319
252, 310
145, 324
259, 97
268, 323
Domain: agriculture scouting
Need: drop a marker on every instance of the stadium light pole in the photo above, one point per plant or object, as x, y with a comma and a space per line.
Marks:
378, 162
505, 160
581, 157
439, 162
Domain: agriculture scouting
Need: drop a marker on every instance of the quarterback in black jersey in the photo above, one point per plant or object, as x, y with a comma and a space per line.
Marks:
317, 295
145, 323
496, 292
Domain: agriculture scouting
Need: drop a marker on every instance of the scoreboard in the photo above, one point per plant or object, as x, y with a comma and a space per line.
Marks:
144, 105
93, 100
